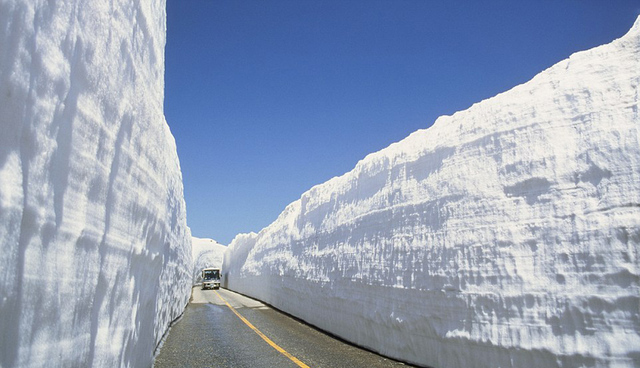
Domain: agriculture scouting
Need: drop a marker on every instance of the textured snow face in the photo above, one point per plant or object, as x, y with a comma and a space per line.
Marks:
96, 257
234, 260
206, 253
506, 235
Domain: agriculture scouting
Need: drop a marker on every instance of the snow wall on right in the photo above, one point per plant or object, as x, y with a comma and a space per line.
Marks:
506, 235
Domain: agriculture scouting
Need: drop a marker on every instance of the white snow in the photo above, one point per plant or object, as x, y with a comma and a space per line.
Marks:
506, 235
96, 254
206, 253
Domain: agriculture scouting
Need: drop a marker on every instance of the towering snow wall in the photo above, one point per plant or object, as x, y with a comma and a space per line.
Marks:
96, 254
506, 235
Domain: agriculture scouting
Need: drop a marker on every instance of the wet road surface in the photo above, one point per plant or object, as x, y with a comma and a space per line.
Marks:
220, 328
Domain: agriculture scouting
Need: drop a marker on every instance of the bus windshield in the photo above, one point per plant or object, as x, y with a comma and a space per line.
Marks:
211, 274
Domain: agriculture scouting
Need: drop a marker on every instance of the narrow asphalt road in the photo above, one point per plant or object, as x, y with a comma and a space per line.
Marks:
220, 328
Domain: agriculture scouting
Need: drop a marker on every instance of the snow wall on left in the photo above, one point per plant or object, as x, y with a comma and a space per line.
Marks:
96, 252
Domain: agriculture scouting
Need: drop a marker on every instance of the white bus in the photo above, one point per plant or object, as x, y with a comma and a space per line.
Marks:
210, 278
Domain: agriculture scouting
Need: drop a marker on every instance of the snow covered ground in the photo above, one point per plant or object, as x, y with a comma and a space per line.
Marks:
206, 253
506, 235
96, 253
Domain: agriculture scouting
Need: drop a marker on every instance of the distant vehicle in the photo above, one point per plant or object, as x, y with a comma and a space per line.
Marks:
211, 278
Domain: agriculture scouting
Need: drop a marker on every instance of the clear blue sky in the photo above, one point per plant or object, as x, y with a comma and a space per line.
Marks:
269, 98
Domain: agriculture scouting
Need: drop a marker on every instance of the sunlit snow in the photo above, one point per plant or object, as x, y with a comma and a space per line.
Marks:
96, 253
506, 235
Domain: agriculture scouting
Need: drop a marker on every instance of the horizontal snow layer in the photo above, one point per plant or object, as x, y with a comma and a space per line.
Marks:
206, 253
96, 257
506, 235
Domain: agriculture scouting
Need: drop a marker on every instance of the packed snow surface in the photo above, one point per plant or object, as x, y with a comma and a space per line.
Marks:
206, 253
96, 253
506, 235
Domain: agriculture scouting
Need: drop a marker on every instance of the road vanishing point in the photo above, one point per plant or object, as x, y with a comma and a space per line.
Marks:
220, 328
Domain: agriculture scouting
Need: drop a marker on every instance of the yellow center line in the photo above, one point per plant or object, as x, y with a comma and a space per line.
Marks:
264, 337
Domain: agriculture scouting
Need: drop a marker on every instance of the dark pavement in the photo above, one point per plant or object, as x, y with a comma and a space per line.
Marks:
210, 334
